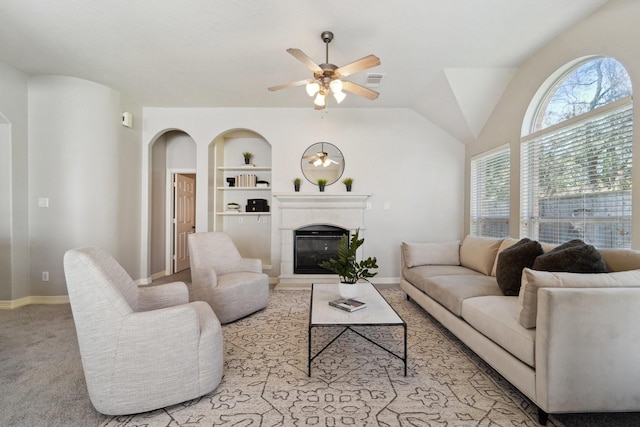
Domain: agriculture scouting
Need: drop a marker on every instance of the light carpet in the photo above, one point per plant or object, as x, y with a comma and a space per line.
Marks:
352, 382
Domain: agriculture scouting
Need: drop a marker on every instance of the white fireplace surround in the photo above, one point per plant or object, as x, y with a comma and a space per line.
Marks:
297, 210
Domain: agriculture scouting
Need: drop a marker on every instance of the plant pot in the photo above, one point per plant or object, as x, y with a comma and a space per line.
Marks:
247, 160
348, 187
348, 290
296, 187
321, 187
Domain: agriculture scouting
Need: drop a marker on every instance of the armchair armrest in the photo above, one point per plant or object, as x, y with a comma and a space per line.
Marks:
160, 296
203, 281
253, 265
587, 349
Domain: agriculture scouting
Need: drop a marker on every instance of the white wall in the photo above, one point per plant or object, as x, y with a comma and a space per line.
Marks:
87, 165
14, 226
612, 31
393, 154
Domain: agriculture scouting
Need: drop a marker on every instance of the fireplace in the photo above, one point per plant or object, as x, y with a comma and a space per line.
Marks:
315, 244
300, 210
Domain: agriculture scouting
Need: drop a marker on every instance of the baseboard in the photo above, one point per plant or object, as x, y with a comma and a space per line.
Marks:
20, 302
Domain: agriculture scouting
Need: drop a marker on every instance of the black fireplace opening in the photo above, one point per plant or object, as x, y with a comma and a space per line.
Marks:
315, 244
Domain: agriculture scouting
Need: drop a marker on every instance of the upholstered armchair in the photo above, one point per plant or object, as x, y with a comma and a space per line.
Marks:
142, 348
234, 286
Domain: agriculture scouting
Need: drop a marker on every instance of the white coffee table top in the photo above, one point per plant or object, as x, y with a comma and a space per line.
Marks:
377, 312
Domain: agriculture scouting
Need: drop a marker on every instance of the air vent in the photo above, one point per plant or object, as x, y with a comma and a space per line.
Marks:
373, 79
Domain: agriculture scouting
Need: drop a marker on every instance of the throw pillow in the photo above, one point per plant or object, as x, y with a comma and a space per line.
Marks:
479, 253
533, 280
574, 256
506, 243
431, 253
512, 261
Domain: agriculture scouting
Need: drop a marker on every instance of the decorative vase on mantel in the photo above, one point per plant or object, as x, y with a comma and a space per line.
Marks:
348, 182
321, 184
296, 184
348, 290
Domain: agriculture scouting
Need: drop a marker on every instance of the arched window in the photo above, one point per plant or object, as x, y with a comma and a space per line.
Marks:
576, 161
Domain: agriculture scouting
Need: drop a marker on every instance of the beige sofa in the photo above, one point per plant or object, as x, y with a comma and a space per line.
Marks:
583, 353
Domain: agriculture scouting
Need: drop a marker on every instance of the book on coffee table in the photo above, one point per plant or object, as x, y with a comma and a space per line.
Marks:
348, 304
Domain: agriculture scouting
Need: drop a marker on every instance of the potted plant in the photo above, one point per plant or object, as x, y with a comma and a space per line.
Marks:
247, 157
347, 268
321, 183
348, 182
296, 184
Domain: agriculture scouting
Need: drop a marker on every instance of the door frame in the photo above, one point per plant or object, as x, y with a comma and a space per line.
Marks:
168, 263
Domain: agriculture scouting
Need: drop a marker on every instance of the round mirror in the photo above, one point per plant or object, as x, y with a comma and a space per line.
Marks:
322, 161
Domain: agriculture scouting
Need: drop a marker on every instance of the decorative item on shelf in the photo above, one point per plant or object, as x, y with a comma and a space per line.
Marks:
348, 182
321, 183
233, 207
231, 181
262, 184
247, 157
257, 205
246, 180
296, 184
347, 268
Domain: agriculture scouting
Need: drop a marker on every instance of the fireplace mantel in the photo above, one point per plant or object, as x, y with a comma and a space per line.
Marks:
298, 209
299, 200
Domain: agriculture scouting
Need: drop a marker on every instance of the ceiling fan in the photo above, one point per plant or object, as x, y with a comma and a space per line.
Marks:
321, 158
328, 78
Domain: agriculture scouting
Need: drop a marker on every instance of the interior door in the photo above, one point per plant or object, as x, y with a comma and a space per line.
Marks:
184, 190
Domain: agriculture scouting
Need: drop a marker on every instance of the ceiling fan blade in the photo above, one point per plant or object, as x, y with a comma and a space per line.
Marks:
302, 57
288, 85
359, 90
358, 65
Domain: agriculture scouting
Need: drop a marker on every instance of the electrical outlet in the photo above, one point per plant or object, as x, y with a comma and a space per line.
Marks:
45, 276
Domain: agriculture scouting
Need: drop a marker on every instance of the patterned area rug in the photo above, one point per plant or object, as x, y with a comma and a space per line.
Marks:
352, 382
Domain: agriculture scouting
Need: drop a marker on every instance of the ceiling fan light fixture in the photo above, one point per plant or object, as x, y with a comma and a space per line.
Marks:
339, 96
320, 100
317, 162
336, 85
312, 88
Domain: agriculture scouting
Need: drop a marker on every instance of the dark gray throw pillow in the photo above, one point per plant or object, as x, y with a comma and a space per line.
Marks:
512, 261
574, 256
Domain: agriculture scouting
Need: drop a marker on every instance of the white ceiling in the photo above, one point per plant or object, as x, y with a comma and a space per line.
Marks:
447, 59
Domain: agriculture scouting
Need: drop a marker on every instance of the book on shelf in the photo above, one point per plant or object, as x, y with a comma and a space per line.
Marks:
348, 304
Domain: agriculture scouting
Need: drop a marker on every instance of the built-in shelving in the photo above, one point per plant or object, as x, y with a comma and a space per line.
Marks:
250, 231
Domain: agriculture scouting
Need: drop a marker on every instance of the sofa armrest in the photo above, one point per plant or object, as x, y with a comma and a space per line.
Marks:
160, 296
587, 349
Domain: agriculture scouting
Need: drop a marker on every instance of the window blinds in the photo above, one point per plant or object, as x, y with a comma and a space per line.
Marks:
490, 173
576, 179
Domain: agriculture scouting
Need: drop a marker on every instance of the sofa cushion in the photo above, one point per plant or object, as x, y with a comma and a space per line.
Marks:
506, 243
621, 259
431, 253
533, 280
512, 261
496, 317
414, 274
479, 253
574, 256
451, 290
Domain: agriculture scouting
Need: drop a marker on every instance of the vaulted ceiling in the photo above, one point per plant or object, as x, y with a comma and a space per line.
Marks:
449, 60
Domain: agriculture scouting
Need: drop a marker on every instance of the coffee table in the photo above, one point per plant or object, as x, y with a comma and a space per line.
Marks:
377, 313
